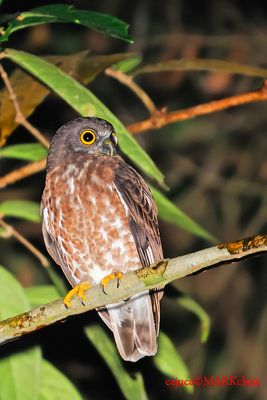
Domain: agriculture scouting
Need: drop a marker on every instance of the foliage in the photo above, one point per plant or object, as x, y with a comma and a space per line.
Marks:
63, 13
26, 374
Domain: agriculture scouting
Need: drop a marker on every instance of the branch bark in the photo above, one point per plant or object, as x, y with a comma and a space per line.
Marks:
163, 118
156, 275
22, 172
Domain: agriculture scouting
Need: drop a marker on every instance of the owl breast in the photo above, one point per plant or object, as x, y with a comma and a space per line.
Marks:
87, 220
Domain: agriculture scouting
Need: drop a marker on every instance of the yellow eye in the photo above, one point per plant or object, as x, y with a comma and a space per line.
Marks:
88, 137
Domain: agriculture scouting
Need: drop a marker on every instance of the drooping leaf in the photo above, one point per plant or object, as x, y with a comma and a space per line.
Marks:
103, 23
203, 65
191, 305
30, 92
85, 103
27, 152
132, 388
28, 210
172, 214
55, 385
169, 362
41, 294
20, 372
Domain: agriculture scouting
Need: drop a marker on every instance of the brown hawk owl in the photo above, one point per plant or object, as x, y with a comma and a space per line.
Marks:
99, 217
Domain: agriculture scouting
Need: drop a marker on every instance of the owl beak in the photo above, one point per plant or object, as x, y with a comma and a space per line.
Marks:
108, 147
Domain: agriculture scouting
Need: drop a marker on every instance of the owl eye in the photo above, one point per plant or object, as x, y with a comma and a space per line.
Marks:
113, 138
88, 137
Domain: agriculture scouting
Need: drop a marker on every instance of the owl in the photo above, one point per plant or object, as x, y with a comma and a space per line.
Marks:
99, 219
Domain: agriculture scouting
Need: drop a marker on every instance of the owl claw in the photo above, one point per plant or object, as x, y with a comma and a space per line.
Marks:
116, 275
79, 291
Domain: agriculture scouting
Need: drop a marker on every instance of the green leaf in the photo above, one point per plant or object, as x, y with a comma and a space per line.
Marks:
28, 210
191, 305
30, 92
128, 64
170, 213
133, 389
169, 362
203, 65
103, 23
28, 152
55, 385
41, 294
21, 372
20, 375
85, 103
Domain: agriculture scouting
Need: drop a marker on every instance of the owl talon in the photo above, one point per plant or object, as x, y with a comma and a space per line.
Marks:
79, 291
116, 275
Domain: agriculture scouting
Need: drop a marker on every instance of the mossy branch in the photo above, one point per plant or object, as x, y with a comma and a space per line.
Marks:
156, 275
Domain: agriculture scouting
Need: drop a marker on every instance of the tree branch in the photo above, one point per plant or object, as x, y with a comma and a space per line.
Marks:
128, 81
13, 232
156, 275
158, 120
22, 172
20, 119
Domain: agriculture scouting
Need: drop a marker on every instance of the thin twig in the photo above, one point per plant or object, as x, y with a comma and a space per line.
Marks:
157, 275
20, 119
22, 172
158, 121
140, 93
13, 232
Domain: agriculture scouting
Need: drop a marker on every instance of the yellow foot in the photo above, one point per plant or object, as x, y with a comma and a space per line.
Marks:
108, 278
79, 290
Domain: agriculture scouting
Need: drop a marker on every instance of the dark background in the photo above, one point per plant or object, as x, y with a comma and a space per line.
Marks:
215, 166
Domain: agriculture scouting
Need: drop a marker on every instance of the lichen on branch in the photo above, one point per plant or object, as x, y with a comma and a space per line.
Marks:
156, 275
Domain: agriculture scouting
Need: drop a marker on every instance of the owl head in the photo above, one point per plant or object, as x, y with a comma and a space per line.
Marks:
85, 136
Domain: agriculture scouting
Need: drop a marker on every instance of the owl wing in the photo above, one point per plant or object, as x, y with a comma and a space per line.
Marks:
143, 221
142, 213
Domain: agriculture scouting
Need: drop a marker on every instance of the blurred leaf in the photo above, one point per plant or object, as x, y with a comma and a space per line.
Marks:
13, 300
204, 65
28, 210
30, 92
85, 103
133, 389
172, 214
128, 64
103, 23
21, 372
28, 152
169, 362
20, 375
191, 305
41, 294
4, 233
55, 385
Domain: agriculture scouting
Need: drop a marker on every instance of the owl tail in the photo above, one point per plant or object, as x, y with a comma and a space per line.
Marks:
133, 326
